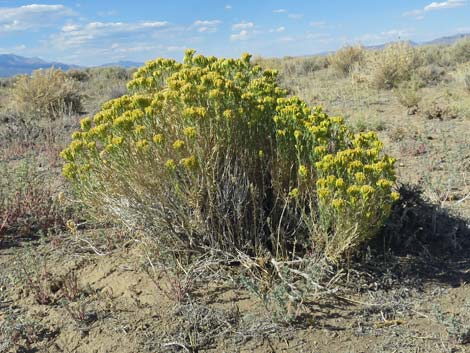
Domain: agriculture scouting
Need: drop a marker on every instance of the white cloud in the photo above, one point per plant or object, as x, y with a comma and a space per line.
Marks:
295, 16
242, 35
228, 7
96, 33
444, 5
242, 25
280, 29
280, 11
450, 4
28, 17
70, 28
207, 26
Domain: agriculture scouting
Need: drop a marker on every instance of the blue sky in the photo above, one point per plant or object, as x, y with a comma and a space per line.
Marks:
95, 32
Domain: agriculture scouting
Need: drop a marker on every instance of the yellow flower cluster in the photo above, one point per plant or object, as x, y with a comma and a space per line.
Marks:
178, 116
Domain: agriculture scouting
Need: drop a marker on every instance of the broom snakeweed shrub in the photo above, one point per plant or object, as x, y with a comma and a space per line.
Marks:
213, 153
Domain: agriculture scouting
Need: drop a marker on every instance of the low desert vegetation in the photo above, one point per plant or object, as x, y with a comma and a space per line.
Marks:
217, 203
46, 94
212, 153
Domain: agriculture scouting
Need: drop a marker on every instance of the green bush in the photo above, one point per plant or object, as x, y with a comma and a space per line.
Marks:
387, 68
408, 95
212, 153
343, 60
46, 94
460, 51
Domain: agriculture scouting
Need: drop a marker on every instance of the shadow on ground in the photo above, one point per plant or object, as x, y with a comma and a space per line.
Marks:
420, 243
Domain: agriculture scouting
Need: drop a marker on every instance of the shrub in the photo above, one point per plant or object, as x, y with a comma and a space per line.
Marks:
442, 107
27, 201
386, 69
212, 153
466, 82
460, 51
344, 59
431, 74
434, 55
46, 94
78, 75
408, 95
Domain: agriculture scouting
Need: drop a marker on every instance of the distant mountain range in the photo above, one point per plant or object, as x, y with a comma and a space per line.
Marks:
125, 64
438, 41
11, 65
446, 40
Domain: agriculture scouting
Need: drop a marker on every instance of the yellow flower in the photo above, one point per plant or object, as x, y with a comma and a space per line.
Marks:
353, 189
395, 196
142, 145
367, 190
384, 183
303, 172
139, 130
339, 183
85, 124
321, 183
228, 114
323, 193
297, 134
77, 146
331, 179
294, 193
178, 144
170, 164
67, 154
320, 149
158, 139
190, 132
76, 135
69, 170
260, 153
338, 203
117, 140
360, 177
190, 162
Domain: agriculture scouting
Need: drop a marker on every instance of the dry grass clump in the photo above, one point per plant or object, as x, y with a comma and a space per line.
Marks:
292, 66
28, 203
46, 94
387, 68
408, 95
460, 51
440, 106
344, 60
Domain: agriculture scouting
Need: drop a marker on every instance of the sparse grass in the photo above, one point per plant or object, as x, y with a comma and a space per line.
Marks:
28, 203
